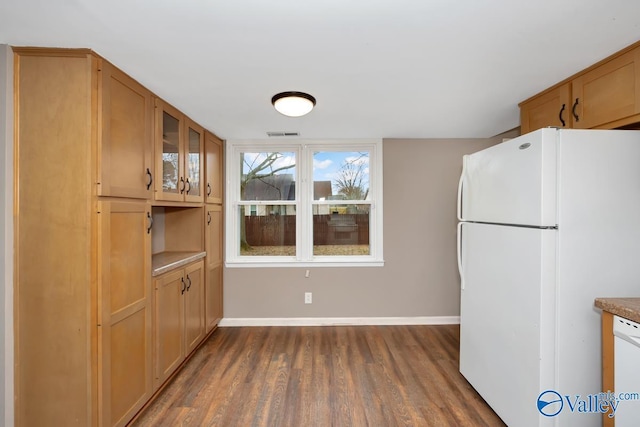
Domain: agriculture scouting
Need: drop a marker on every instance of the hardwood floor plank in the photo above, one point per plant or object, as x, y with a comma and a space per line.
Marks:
323, 376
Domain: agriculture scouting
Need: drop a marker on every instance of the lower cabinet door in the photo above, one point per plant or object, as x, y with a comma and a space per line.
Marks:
124, 284
169, 323
179, 317
194, 305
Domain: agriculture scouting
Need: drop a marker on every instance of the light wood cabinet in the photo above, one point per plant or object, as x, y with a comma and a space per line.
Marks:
608, 361
214, 232
552, 108
194, 161
603, 96
125, 142
608, 94
125, 307
194, 306
213, 166
179, 153
55, 286
213, 289
179, 317
82, 283
94, 332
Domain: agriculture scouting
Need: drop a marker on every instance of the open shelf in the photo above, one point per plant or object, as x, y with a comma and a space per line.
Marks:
177, 237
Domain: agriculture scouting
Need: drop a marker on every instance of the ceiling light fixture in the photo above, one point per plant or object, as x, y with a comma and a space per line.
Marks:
293, 104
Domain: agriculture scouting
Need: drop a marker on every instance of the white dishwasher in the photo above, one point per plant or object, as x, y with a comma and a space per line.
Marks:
627, 370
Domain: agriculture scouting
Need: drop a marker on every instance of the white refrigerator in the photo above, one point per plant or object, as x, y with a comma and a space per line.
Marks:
548, 222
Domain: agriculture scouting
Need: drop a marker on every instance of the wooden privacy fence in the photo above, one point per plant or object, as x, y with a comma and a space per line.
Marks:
280, 230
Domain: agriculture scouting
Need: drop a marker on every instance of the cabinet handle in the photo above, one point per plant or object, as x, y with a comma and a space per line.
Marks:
183, 185
150, 218
150, 179
573, 110
184, 286
208, 218
188, 186
560, 115
208, 189
189, 285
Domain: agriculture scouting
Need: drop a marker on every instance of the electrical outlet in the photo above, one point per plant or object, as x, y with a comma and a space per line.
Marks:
308, 297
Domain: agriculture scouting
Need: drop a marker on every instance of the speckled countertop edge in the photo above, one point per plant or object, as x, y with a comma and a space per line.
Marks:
629, 308
171, 260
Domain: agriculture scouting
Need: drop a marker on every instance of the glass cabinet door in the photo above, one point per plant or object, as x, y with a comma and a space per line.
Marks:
170, 154
193, 167
170, 181
179, 156
194, 162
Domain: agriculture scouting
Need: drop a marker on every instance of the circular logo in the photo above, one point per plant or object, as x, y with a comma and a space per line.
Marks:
550, 403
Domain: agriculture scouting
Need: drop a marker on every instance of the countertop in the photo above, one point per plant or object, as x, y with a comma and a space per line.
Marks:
167, 261
629, 308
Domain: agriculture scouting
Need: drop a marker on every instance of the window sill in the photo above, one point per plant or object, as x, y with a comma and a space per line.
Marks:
302, 264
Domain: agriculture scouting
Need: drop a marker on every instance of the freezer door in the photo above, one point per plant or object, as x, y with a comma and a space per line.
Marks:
507, 317
511, 183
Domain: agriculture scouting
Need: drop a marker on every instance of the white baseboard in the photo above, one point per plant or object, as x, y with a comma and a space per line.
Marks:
336, 321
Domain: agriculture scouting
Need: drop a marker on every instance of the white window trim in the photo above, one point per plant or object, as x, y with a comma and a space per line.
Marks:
304, 200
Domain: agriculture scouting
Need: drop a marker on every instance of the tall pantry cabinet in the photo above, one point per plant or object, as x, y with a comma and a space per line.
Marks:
213, 231
85, 316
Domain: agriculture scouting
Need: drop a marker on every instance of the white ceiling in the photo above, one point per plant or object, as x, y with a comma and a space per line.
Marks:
378, 68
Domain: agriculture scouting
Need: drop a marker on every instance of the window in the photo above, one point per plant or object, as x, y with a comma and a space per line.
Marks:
304, 203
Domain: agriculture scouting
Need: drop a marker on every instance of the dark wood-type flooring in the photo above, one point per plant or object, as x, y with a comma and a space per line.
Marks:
323, 376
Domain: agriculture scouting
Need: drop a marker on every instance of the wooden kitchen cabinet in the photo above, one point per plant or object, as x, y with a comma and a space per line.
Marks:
82, 282
603, 96
179, 317
86, 310
125, 307
213, 289
214, 232
552, 108
608, 361
125, 164
213, 167
179, 156
56, 374
94, 331
194, 161
609, 94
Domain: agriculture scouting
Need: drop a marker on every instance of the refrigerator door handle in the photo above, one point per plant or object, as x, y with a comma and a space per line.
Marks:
459, 202
459, 254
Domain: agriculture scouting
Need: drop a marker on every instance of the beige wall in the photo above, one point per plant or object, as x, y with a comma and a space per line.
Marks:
420, 276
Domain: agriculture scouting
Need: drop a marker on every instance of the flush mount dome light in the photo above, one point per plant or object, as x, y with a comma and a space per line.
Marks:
293, 104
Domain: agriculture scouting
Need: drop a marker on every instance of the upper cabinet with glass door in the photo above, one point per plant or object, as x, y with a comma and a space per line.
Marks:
179, 156
194, 161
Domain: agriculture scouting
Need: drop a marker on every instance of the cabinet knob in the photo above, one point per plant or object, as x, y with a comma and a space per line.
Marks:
188, 186
189, 285
184, 286
560, 115
573, 110
150, 219
150, 179
208, 189
208, 218
182, 186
